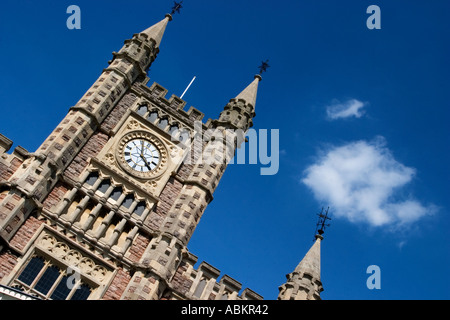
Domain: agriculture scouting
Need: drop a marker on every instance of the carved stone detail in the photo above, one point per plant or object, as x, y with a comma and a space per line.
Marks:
74, 258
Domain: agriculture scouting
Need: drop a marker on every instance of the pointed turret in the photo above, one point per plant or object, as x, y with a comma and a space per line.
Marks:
240, 111
249, 93
156, 31
310, 264
304, 282
141, 50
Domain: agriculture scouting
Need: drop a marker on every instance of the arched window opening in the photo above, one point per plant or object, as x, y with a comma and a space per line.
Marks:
92, 177
152, 116
129, 199
173, 130
142, 110
104, 185
163, 123
139, 208
116, 193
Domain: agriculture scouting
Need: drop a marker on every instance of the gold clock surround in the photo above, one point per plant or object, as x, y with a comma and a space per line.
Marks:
158, 170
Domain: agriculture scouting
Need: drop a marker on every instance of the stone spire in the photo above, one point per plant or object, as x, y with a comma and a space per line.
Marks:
156, 31
311, 262
141, 50
240, 111
304, 282
249, 93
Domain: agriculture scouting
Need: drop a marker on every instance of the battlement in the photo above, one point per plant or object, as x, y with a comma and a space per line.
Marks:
9, 163
202, 283
174, 102
5, 144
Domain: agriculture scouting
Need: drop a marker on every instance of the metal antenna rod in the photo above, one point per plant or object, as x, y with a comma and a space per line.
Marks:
187, 87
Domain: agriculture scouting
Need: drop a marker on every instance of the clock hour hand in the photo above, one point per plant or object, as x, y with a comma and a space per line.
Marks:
142, 148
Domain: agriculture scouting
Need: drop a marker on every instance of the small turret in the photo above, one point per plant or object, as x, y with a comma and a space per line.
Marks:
240, 111
304, 282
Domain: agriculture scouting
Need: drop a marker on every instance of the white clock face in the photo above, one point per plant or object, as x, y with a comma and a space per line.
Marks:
141, 155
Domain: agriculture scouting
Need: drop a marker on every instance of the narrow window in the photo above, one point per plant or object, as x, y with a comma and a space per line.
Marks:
82, 292
92, 177
104, 185
139, 208
47, 280
173, 130
116, 193
200, 287
142, 110
62, 290
129, 199
32, 270
163, 123
152, 116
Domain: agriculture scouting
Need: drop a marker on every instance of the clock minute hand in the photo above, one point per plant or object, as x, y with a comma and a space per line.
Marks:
146, 163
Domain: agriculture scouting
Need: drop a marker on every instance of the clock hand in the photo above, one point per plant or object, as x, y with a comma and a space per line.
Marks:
146, 163
142, 148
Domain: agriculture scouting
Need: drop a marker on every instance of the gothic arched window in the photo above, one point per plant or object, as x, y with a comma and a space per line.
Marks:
173, 129
50, 281
129, 199
104, 185
152, 116
139, 208
116, 193
92, 177
163, 123
142, 109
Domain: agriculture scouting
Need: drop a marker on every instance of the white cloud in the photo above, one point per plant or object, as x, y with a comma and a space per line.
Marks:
350, 108
360, 180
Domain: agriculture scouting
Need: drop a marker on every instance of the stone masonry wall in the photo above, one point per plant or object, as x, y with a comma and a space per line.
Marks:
8, 261
118, 285
167, 197
7, 168
90, 149
25, 233
117, 113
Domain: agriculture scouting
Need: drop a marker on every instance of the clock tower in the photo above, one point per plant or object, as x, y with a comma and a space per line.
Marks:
106, 206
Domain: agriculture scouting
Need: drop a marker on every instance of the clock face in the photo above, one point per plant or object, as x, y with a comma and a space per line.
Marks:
141, 155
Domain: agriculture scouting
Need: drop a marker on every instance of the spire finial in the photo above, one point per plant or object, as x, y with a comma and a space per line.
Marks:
263, 67
321, 223
176, 7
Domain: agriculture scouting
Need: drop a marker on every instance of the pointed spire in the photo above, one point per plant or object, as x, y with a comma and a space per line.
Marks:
304, 282
310, 264
249, 93
156, 31
240, 111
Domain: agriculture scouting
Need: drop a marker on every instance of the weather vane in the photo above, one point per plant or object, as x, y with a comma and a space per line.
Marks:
263, 67
321, 224
176, 7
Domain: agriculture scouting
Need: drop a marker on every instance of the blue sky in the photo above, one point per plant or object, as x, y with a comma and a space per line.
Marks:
362, 116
